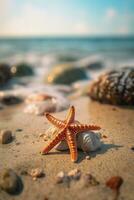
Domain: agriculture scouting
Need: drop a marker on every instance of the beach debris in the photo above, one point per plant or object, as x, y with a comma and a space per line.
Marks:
88, 157
115, 183
89, 180
22, 69
67, 130
10, 181
36, 173
5, 74
74, 174
9, 99
132, 148
66, 74
5, 136
62, 178
40, 103
19, 130
114, 87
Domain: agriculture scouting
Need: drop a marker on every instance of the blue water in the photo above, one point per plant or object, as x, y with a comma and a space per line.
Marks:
114, 49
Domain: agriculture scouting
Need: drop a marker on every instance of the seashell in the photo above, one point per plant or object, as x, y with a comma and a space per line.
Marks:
40, 108
114, 87
86, 141
40, 103
89, 141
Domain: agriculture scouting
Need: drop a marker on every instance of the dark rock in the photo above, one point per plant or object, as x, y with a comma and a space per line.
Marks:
67, 58
10, 181
10, 100
114, 87
66, 74
95, 65
5, 74
22, 69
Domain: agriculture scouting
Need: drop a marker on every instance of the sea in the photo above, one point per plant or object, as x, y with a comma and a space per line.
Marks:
47, 51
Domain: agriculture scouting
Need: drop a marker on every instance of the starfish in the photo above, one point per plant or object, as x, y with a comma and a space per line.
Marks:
67, 130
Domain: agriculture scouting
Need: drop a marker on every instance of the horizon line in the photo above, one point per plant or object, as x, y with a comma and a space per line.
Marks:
66, 36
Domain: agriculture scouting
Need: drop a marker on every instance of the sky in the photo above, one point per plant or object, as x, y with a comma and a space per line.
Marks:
66, 17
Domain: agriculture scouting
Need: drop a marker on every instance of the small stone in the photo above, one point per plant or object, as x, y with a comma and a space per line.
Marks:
75, 174
5, 136
132, 148
36, 173
8, 100
19, 130
88, 157
89, 180
24, 172
114, 182
10, 182
62, 178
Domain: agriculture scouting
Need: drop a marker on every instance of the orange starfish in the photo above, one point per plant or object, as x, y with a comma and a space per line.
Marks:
67, 130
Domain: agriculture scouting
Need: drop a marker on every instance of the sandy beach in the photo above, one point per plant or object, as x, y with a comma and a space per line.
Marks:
115, 158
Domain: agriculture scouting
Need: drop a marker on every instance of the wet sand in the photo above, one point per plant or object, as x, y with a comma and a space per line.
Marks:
115, 157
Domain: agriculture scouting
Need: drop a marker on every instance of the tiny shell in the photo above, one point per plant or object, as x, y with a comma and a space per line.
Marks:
86, 141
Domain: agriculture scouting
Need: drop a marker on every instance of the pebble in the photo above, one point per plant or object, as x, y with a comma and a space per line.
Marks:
88, 157
5, 136
74, 174
10, 181
114, 182
89, 180
36, 173
132, 148
62, 178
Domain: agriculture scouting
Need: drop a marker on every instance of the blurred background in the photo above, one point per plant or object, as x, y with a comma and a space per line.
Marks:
48, 32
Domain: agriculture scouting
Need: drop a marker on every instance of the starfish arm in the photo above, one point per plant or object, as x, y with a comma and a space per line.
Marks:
71, 115
78, 128
56, 140
71, 140
56, 122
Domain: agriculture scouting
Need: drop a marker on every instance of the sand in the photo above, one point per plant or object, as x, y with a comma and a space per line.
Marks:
115, 157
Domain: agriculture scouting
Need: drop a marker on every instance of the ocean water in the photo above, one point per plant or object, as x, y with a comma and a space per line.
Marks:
47, 52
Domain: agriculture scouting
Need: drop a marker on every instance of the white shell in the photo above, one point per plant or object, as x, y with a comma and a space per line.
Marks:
56, 104
86, 141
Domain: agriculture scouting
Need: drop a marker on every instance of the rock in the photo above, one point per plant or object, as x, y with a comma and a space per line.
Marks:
88, 157
10, 182
62, 178
114, 182
5, 136
66, 74
8, 99
96, 65
114, 87
36, 173
5, 74
74, 174
22, 69
67, 58
89, 180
